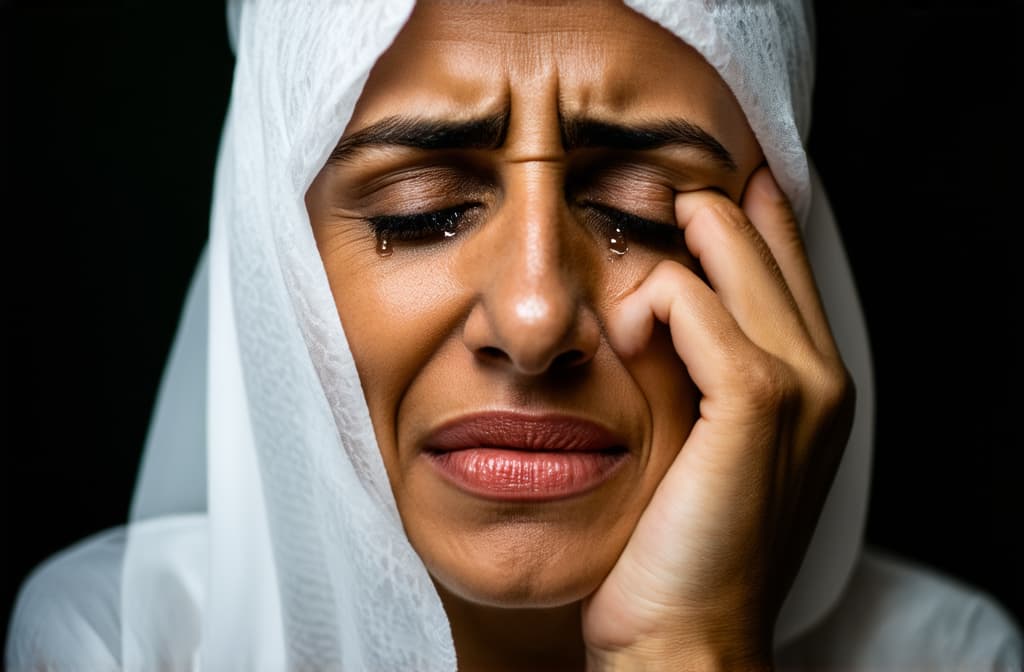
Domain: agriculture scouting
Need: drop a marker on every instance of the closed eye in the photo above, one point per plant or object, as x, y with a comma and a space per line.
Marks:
445, 223
421, 225
646, 231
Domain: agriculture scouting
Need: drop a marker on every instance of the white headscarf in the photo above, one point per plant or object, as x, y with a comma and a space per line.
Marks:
261, 420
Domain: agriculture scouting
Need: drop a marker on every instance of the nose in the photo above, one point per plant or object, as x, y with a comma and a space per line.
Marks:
533, 315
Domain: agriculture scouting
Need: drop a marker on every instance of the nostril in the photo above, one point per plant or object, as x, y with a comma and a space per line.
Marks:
569, 359
490, 352
565, 360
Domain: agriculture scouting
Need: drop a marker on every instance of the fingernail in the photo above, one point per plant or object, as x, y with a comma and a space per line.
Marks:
766, 182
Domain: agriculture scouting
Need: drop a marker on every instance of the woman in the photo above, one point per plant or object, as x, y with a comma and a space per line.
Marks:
580, 331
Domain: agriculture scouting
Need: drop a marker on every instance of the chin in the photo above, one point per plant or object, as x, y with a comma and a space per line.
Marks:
524, 564
523, 581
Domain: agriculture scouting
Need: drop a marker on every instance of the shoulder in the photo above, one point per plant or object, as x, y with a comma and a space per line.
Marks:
898, 615
68, 612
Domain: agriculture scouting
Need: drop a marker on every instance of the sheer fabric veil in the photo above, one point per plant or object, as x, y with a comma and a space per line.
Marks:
261, 425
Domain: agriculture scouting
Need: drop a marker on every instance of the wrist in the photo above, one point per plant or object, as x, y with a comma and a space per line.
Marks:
655, 657
680, 654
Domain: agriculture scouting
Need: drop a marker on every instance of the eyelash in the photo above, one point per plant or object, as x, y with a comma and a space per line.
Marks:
648, 231
445, 222
438, 223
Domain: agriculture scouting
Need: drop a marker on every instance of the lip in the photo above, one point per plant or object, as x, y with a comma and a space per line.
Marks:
514, 457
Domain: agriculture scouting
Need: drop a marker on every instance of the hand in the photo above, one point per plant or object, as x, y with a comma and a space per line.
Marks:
701, 581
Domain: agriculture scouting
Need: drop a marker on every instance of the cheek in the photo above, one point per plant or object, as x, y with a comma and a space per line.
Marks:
671, 396
658, 373
395, 312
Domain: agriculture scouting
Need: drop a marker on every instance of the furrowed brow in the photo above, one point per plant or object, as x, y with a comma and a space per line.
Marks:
480, 133
581, 133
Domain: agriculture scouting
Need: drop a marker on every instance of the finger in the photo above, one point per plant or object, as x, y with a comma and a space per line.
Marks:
729, 455
740, 267
704, 334
769, 211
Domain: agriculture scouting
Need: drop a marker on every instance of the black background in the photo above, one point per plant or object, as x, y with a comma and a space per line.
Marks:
111, 117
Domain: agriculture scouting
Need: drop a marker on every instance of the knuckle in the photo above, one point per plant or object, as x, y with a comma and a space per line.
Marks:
789, 228
833, 392
732, 222
789, 237
727, 213
768, 385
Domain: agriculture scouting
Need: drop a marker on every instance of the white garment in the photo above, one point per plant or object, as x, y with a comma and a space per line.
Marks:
893, 615
300, 559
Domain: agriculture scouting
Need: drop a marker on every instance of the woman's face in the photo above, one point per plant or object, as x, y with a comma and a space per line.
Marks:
472, 223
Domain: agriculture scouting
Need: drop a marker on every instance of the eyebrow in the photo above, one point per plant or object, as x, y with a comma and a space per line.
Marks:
585, 133
481, 133
489, 133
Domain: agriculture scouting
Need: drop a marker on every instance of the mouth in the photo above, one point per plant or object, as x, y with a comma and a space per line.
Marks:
513, 457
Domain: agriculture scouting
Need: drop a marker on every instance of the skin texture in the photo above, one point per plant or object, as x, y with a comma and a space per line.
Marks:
708, 354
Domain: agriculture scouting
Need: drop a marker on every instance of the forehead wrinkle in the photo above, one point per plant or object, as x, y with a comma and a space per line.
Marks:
532, 41
524, 54
528, 40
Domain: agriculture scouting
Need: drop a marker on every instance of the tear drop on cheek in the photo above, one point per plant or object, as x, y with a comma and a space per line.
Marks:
617, 244
383, 244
